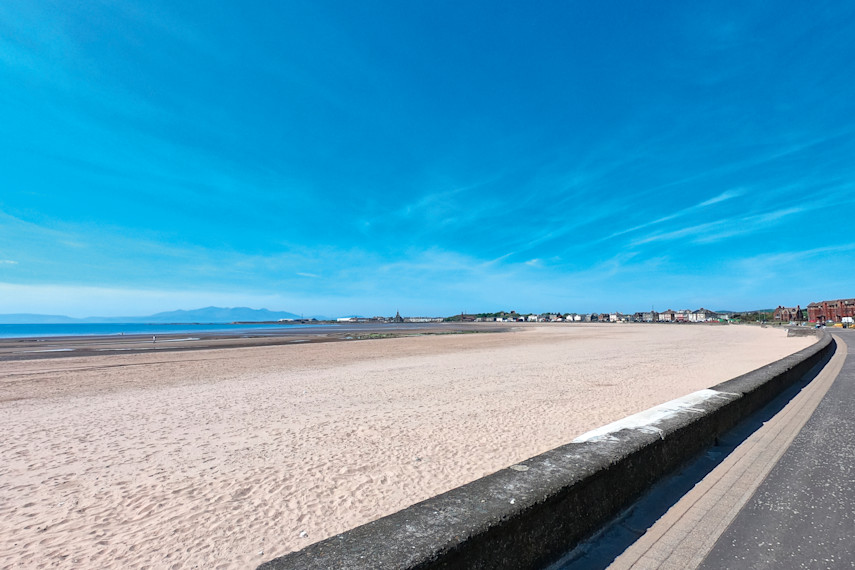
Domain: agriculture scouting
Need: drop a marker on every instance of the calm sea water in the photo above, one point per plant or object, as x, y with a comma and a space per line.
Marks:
79, 329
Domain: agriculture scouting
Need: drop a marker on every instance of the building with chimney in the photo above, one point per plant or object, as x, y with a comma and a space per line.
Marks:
789, 314
831, 311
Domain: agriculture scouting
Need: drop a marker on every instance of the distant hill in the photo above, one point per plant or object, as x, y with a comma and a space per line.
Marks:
33, 319
219, 315
204, 315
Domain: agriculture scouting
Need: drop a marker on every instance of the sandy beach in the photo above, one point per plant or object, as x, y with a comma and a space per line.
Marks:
225, 458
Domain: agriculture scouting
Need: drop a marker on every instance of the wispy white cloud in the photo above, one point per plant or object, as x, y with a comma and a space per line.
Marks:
786, 260
773, 274
437, 206
8, 262
500, 259
717, 230
776, 215
724, 196
748, 224
720, 198
455, 206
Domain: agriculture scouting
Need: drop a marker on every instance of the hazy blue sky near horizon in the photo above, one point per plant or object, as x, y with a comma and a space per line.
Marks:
429, 157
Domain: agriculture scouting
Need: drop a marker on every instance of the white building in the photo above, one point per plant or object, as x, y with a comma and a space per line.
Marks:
668, 316
702, 315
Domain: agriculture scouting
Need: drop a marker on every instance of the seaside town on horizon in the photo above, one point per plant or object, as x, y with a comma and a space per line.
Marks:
835, 311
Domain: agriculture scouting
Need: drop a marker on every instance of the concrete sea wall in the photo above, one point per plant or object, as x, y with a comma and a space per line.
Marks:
529, 514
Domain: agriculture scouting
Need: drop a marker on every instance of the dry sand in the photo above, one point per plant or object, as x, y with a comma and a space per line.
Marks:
227, 458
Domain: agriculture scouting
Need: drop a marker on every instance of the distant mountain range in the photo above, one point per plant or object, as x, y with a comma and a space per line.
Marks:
205, 315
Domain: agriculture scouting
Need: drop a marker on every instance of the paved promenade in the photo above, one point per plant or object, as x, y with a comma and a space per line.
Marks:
803, 514
781, 495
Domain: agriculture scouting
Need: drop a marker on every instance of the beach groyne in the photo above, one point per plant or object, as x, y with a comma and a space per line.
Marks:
531, 513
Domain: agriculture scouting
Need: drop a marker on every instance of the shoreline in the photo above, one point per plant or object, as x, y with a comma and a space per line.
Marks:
29, 348
48, 347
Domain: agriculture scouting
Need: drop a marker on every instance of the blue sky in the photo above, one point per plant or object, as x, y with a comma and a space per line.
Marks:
428, 157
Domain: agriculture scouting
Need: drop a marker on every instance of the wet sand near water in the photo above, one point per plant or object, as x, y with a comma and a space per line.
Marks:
65, 346
225, 458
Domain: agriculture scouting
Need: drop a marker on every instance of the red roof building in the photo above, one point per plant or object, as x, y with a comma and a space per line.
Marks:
831, 311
